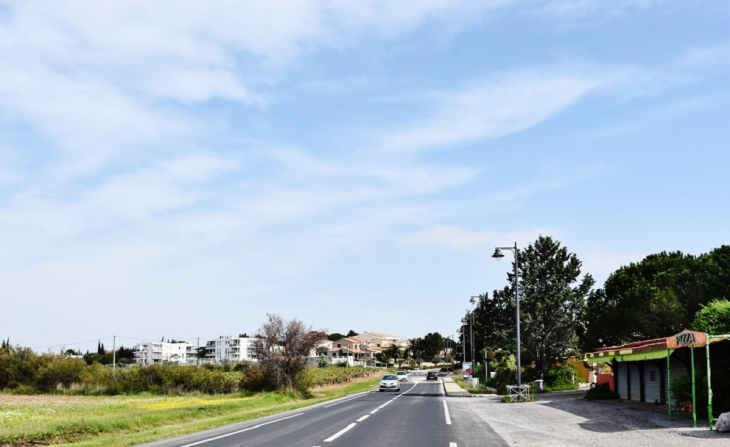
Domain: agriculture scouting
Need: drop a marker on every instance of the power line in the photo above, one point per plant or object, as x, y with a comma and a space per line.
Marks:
74, 343
108, 338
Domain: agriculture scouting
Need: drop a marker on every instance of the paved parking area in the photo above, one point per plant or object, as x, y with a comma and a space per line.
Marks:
566, 419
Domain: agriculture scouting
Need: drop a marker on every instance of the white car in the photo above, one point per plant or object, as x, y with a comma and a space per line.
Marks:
390, 382
402, 376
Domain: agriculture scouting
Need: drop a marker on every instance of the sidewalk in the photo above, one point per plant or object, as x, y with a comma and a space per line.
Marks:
452, 389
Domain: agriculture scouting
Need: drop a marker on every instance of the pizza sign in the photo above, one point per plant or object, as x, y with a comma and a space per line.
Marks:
686, 338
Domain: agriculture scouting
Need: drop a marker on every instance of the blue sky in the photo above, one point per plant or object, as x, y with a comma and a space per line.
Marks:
180, 169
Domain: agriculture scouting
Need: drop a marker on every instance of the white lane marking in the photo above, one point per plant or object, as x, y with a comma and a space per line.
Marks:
374, 411
452, 444
410, 389
363, 418
241, 431
341, 402
446, 412
340, 433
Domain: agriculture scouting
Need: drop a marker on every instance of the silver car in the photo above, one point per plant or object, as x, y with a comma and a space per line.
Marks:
389, 382
402, 376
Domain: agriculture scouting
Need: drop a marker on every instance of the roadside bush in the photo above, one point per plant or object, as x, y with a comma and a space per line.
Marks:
96, 378
682, 390
561, 378
60, 371
20, 366
600, 392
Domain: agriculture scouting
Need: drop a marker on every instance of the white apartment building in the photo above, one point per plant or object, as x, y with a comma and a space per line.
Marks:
149, 353
232, 349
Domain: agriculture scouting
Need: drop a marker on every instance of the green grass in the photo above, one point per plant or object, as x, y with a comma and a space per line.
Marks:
134, 419
478, 390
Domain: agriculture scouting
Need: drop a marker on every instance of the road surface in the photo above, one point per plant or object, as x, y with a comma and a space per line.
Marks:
420, 415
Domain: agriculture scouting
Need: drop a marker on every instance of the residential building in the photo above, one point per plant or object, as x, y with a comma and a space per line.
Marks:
381, 340
350, 349
176, 352
231, 349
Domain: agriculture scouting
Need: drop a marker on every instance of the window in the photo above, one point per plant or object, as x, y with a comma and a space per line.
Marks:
339, 345
652, 375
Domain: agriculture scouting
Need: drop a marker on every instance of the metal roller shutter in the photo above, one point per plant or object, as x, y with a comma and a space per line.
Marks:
652, 379
621, 380
635, 379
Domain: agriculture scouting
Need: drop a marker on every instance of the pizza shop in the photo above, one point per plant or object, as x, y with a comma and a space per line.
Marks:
644, 371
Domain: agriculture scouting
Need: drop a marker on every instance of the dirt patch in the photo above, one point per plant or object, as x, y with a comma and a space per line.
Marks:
16, 400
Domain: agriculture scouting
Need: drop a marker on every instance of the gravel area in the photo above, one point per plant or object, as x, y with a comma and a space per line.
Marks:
566, 419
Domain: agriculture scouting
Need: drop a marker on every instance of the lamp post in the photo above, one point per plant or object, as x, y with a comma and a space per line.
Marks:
473, 299
498, 255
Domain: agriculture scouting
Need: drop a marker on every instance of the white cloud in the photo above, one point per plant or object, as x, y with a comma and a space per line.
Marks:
462, 239
496, 107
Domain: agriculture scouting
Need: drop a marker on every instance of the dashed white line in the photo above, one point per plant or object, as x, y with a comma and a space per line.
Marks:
374, 411
446, 412
241, 431
340, 433
341, 402
363, 418
452, 444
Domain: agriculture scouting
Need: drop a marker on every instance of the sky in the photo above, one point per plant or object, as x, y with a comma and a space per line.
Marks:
179, 169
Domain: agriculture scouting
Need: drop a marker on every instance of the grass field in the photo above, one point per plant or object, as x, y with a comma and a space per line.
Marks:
130, 420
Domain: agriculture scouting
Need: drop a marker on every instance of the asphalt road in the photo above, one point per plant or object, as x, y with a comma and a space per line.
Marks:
420, 415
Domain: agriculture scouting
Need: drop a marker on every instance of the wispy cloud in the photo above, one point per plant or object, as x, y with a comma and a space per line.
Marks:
498, 106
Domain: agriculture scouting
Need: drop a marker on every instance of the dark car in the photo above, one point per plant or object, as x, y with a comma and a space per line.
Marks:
432, 375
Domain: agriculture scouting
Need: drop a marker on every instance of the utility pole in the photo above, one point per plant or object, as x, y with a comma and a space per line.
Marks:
114, 356
463, 346
486, 360
471, 339
197, 353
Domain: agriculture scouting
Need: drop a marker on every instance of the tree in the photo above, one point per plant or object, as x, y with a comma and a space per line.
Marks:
432, 345
655, 298
335, 336
713, 318
352, 333
552, 299
282, 349
393, 352
417, 348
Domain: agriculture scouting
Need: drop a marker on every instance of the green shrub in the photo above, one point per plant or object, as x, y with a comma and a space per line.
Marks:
714, 318
60, 371
561, 378
600, 392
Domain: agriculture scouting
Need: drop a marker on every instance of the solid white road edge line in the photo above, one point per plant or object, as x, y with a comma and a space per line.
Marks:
241, 431
340, 433
363, 418
446, 412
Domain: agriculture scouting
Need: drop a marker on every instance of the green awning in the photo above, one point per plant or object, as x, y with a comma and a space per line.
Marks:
602, 359
651, 355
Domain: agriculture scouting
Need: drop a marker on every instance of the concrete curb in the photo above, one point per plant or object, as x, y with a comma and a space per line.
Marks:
452, 389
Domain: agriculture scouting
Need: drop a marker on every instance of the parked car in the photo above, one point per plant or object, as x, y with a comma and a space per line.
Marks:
390, 382
432, 375
402, 376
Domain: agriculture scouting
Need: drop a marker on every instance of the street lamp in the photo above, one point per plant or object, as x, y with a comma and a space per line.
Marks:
473, 299
498, 256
